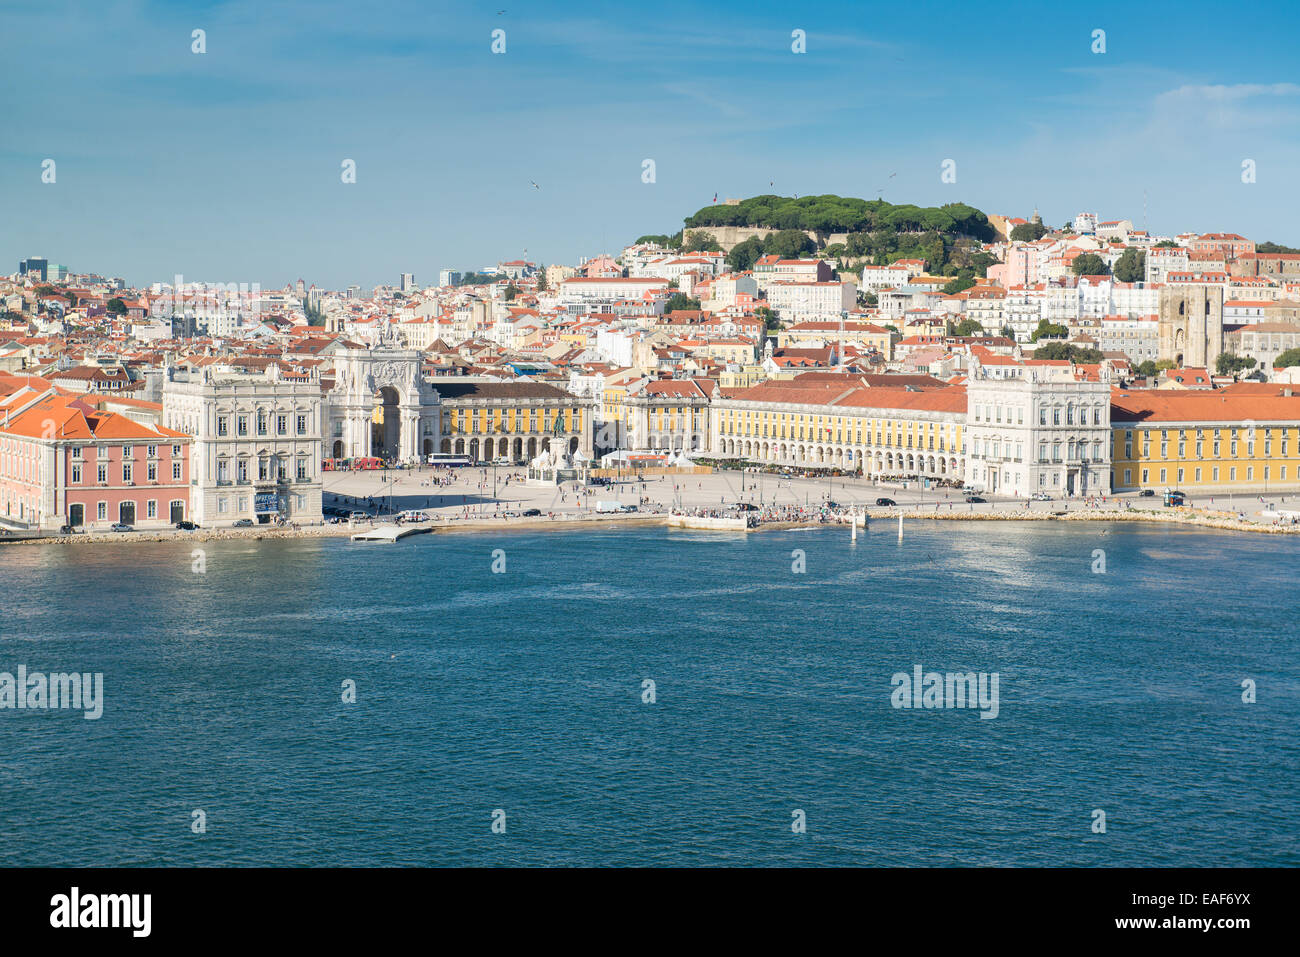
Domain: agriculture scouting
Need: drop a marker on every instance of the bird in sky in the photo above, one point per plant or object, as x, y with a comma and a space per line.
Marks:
535, 186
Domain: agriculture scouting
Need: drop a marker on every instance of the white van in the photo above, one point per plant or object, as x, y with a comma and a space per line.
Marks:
413, 515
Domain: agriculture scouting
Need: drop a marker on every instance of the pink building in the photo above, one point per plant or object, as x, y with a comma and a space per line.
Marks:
601, 267
1020, 267
65, 462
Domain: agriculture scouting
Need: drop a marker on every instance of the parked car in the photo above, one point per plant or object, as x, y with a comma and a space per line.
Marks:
186, 526
123, 527
531, 512
244, 523
976, 500
412, 515
70, 529
885, 502
1041, 497
746, 507
1147, 493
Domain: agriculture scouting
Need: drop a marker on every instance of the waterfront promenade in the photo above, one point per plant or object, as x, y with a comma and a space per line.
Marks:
482, 493
476, 499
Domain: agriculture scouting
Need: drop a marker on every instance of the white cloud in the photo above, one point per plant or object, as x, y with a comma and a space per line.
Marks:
1236, 106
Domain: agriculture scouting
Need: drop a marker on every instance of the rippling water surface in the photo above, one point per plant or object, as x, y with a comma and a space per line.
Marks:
522, 691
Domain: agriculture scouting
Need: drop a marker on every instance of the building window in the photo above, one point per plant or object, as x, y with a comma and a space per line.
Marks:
76, 473
281, 424
302, 425
153, 471
101, 511
261, 422
241, 425
223, 425
151, 509
101, 474
302, 468
126, 472
176, 471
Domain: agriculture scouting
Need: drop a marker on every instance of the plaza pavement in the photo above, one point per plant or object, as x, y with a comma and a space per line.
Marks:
483, 493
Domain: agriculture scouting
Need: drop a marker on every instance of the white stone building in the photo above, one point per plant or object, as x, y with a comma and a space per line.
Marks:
1047, 430
257, 443
796, 301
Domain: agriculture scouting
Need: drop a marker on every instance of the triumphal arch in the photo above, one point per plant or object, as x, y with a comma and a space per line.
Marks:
380, 404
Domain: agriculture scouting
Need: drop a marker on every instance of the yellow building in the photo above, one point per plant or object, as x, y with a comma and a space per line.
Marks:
839, 422
1212, 440
742, 377
511, 420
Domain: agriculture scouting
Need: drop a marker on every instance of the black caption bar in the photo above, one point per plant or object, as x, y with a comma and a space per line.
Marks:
173, 906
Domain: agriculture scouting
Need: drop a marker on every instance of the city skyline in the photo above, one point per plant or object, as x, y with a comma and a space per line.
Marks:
226, 166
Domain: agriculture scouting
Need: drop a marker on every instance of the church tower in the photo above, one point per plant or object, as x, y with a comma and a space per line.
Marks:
1191, 325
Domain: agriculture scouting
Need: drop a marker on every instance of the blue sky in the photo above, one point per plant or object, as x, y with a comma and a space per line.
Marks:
226, 166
